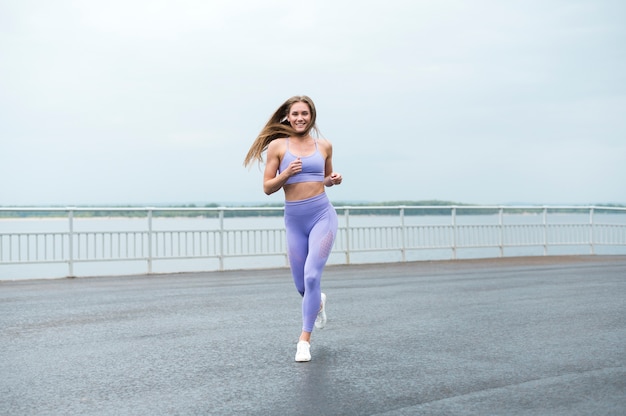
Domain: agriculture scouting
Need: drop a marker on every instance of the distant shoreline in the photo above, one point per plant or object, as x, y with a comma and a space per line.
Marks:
272, 210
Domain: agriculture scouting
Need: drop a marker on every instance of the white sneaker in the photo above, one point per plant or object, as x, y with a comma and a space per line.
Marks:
303, 352
320, 321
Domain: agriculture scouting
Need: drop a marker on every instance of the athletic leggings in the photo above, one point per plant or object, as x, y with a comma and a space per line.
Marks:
311, 226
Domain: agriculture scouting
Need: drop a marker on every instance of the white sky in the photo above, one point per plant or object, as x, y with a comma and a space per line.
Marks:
482, 101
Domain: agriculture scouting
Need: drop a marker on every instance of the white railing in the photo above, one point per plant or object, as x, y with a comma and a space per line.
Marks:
406, 230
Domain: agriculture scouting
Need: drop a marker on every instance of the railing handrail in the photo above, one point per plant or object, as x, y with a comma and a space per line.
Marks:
337, 206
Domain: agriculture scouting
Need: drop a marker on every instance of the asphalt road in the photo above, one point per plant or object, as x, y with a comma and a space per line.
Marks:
520, 336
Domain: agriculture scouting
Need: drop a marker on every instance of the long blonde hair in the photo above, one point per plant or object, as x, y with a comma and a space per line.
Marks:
278, 126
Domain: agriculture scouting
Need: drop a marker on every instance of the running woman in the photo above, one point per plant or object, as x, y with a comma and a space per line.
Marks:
301, 164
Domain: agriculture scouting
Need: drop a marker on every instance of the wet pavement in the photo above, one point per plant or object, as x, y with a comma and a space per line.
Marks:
515, 336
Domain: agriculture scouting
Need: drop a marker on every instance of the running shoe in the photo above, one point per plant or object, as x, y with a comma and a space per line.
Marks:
303, 352
320, 321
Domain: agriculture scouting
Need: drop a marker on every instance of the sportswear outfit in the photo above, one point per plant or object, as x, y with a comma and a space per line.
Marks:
311, 227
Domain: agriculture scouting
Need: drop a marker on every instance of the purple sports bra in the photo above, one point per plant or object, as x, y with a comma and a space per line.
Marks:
312, 166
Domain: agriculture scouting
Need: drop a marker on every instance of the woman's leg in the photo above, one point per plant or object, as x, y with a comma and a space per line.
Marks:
297, 249
321, 239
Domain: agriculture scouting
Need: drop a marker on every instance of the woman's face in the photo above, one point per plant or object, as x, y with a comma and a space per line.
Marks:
299, 117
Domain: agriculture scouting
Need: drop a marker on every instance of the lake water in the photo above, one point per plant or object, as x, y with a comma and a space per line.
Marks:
30, 271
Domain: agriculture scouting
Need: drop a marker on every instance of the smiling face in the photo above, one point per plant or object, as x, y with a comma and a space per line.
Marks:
299, 117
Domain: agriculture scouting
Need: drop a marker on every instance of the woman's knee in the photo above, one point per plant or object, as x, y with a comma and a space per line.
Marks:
312, 281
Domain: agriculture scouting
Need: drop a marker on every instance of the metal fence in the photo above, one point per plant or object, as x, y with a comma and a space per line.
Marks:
407, 229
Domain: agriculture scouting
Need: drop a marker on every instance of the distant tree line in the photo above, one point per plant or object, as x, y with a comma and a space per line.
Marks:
363, 208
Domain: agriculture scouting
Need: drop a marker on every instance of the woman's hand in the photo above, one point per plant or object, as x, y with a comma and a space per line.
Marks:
334, 178
294, 167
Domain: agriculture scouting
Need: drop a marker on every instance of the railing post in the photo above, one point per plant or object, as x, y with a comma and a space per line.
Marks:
403, 230
149, 240
454, 233
221, 254
346, 213
501, 224
70, 217
591, 231
545, 231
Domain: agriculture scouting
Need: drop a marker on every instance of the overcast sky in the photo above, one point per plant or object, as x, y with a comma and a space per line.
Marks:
147, 101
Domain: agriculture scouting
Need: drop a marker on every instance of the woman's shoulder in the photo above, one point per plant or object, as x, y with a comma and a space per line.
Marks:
324, 143
276, 148
277, 144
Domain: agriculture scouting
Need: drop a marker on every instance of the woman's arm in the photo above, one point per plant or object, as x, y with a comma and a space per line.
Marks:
330, 178
272, 180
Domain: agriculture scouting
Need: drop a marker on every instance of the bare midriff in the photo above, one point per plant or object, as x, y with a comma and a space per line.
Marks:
302, 190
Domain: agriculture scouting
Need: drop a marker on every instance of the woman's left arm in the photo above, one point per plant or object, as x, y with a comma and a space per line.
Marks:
330, 178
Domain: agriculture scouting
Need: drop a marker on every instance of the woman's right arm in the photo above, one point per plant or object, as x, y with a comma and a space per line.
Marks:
272, 180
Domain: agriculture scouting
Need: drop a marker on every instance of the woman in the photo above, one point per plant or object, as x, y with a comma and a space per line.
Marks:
301, 165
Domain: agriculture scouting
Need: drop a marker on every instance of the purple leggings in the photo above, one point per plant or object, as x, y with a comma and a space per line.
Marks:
311, 226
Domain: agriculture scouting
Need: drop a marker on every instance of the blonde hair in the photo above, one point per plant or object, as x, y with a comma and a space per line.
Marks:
278, 127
